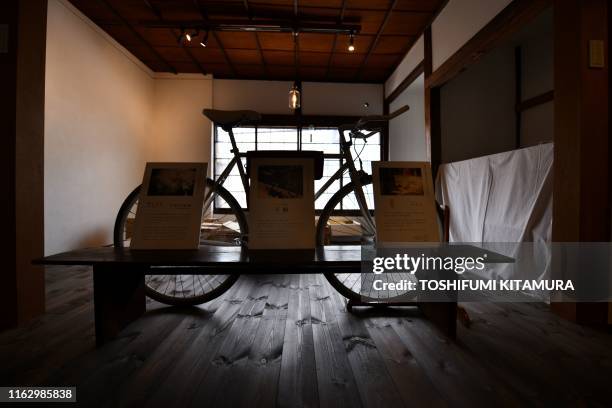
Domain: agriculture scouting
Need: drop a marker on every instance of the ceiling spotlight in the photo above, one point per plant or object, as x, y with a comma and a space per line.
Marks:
204, 42
351, 44
184, 38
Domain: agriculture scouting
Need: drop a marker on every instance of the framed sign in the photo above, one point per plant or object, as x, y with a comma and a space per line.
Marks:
281, 203
404, 201
169, 213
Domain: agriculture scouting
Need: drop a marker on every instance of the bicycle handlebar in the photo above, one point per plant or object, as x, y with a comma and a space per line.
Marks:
355, 128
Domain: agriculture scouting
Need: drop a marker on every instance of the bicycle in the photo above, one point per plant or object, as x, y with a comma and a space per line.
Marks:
230, 228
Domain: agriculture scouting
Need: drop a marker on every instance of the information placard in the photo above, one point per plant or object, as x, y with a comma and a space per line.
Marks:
404, 202
169, 213
281, 204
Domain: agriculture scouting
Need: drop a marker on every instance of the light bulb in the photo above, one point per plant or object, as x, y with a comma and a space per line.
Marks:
188, 37
294, 98
351, 44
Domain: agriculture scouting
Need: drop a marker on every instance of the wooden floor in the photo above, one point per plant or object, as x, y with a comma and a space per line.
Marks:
288, 341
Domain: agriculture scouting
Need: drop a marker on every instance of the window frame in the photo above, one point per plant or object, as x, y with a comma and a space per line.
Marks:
299, 122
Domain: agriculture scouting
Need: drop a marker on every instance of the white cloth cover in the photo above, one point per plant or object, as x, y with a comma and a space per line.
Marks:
502, 198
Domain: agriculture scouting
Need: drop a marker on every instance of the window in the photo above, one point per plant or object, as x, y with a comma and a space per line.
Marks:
325, 139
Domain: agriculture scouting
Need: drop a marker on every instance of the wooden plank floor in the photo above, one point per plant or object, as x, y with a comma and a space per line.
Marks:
286, 340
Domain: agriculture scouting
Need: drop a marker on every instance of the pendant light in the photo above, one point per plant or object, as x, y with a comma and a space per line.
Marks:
295, 97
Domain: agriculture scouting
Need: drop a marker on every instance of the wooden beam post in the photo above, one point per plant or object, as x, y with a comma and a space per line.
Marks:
22, 79
432, 108
581, 204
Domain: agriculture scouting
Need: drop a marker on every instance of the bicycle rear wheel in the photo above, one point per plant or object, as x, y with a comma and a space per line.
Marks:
184, 286
334, 228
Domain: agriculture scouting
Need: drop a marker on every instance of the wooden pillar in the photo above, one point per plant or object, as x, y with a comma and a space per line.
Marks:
581, 204
432, 108
22, 78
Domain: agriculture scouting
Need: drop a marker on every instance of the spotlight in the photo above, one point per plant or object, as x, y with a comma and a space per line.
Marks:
351, 44
204, 42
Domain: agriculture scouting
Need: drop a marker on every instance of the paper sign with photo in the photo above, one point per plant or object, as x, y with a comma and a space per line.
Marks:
404, 202
169, 211
281, 204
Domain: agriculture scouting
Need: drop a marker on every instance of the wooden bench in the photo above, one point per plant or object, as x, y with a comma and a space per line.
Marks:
118, 275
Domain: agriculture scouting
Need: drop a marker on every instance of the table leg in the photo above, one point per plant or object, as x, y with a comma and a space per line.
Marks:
119, 299
443, 315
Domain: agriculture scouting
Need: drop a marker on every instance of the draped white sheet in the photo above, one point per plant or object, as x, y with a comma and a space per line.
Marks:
502, 198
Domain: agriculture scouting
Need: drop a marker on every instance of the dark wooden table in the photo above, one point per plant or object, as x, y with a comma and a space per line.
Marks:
118, 274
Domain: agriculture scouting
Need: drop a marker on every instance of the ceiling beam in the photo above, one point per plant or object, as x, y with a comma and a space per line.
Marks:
377, 38
331, 54
257, 43
204, 16
159, 16
125, 23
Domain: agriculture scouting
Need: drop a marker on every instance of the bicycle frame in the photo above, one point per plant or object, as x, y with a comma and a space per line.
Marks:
347, 165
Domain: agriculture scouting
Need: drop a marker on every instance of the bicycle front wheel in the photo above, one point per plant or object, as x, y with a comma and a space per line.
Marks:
184, 286
337, 226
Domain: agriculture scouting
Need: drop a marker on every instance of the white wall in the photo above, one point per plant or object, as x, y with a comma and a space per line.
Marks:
180, 131
459, 21
477, 109
97, 126
407, 140
317, 98
478, 106
414, 56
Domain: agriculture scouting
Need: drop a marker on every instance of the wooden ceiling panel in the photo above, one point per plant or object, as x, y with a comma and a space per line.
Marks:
276, 41
374, 75
347, 60
403, 23
279, 57
314, 73
250, 71
368, 4
382, 61
174, 54
342, 74
248, 57
316, 42
418, 5
238, 40
177, 10
313, 58
319, 3
281, 72
287, 3
268, 55
95, 10
135, 9
392, 44
370, 21
158, 36
208, 55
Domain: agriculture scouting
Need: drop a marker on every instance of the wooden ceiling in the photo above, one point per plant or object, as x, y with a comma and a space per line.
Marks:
388, 30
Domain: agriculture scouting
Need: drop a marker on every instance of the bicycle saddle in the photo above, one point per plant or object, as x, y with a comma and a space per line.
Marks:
229, 119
